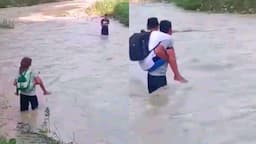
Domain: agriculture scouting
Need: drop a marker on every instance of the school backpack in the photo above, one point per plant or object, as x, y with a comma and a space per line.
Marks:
138, 46
25, 81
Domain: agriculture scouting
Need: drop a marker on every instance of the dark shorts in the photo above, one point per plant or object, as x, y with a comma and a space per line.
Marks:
156, 82
25, 100
104, 30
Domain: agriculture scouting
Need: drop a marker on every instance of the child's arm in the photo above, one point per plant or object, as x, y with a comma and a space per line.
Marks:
38, 81
101, 22
15, 84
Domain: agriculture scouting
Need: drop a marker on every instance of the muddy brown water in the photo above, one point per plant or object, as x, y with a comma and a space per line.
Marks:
86, 73
217, 106
89, 78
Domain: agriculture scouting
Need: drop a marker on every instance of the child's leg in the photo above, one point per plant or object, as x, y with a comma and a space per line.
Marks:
174, 66
34, 102
161, 52
24, 103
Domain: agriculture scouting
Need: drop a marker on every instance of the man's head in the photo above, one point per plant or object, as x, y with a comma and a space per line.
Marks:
166, 26
152, 24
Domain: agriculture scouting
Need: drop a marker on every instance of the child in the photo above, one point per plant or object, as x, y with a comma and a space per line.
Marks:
26, 85
104, 25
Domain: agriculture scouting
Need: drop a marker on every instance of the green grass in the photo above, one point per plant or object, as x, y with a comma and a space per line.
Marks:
121, 12
4, 141
5, 3
119, 9
38, 136
19, 3
231, 6
188, 4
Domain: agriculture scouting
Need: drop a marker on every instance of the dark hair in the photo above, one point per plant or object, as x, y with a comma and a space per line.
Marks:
142, 30
152, 23
25, 64
165, 26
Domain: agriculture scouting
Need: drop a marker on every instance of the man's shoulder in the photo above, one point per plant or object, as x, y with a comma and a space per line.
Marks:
160, 36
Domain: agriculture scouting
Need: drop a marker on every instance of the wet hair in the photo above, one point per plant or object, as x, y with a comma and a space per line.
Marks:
165, 26
152, 23
142, 30
25, 64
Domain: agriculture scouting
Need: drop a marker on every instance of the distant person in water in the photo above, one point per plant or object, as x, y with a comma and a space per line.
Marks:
25, 83
162, 53
104, 25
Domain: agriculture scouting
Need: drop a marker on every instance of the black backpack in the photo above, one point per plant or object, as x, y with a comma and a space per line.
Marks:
138, 46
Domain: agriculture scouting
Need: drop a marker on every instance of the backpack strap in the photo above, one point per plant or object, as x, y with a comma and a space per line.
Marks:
156, 46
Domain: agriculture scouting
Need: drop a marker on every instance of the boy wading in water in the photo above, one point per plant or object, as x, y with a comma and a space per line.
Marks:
104, 25
26, 85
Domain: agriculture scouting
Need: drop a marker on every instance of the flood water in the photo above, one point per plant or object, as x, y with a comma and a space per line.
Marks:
218, 58
90, 82
86, 73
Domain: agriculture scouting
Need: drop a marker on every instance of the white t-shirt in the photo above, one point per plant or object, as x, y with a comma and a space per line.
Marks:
156, 38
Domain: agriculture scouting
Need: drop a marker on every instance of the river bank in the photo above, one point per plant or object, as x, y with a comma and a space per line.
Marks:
118, 9
22, 3
218, 6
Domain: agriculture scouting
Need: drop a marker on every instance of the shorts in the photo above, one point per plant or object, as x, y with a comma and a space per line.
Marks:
156, 82
25, 100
